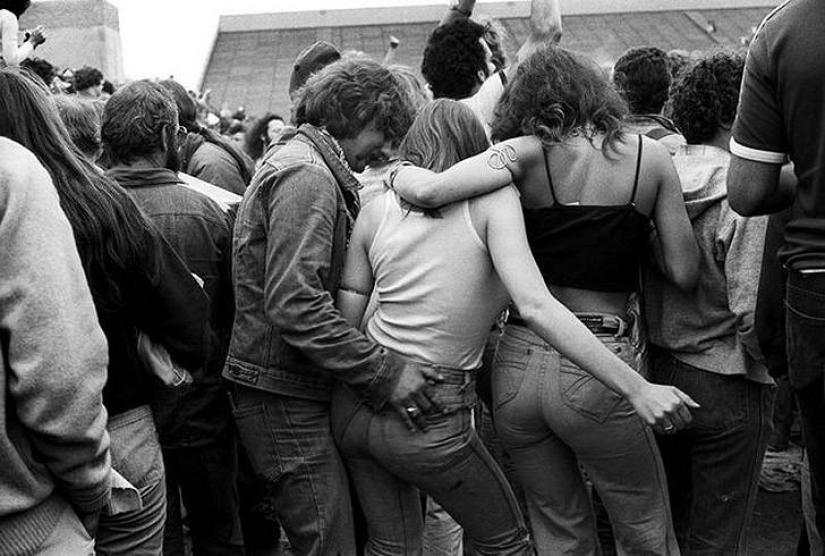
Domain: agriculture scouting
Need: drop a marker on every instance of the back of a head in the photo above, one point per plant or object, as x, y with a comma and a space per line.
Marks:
17, 7
706, 97
417, 91
28, 116
82, 120
642, 77
187, 106
555, 93
348, 95
41, 68
444, 132
86, 77
133, 121
454, 58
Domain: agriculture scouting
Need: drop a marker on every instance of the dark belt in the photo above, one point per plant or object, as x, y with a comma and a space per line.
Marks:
598, 324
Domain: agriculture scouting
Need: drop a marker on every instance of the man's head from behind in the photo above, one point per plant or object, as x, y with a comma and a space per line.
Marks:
361, 104
88, 81
311, 60
455, 59
642, 77
140, 123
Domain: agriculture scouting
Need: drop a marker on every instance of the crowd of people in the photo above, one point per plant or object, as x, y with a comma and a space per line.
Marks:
487, 312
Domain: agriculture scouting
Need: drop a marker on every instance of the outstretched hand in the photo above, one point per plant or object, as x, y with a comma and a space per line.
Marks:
413, 398
665, 408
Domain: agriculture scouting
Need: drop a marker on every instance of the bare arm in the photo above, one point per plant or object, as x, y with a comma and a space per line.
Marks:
547, 317
357, 280
498, 166
545, 27
758, 187
9, 29
675, 248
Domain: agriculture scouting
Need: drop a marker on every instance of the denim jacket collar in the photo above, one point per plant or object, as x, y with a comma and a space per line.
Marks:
323, 143
142, 177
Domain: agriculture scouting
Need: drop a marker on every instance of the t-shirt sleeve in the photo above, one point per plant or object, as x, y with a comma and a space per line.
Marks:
758, 132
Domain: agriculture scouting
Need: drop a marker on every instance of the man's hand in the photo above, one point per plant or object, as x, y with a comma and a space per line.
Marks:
665, 408
412, 397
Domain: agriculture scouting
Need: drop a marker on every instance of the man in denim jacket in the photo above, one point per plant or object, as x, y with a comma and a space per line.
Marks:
289, 344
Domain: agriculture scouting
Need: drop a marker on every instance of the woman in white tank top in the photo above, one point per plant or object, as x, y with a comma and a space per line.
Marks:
439, 278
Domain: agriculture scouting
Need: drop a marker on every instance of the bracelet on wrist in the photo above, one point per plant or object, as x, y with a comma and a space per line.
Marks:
394, 172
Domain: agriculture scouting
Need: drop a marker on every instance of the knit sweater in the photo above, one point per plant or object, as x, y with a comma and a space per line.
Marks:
53, 440
712, 326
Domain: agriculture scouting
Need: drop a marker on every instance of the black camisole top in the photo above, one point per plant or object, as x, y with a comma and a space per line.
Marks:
592, 247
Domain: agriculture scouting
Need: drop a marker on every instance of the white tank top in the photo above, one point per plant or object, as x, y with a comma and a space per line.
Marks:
438, 293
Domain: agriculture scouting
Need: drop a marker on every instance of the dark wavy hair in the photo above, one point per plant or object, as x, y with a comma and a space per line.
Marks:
133, 121
255, 141
642, 77
41, 68
707, 95
495, 35
111, 233
17, 7
348, 95
444, 132
82, 121
86, 77
453, 59
556, 93
188, 118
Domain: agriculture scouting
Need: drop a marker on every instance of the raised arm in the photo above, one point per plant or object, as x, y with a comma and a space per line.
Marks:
547, 317
674, 247
9, 29
498, 166
545, 26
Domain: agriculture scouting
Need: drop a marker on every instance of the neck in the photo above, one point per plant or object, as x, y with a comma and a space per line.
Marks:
721, 140
144, 163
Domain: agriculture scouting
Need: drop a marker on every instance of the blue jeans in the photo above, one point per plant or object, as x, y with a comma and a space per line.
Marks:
213, 510
388, 463
554, 417
290, 447
713, 466
805, 337
136, 455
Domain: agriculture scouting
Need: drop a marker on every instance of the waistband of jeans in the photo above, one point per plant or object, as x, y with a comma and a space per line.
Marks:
618, 326
451, 375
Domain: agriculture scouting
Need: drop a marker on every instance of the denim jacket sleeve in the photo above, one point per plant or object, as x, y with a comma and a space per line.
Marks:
299, 286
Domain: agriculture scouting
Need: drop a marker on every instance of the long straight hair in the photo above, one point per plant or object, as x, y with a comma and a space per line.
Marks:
112, 235
444, 132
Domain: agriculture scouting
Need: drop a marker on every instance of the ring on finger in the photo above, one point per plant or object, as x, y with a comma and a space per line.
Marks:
412, 411
669, 429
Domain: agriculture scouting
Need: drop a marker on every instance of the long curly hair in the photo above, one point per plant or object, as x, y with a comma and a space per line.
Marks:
348, 95
444, 132
706, 96
555, 94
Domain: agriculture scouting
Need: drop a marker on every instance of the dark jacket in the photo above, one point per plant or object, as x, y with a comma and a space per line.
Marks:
198, 231
289, 245
216, 162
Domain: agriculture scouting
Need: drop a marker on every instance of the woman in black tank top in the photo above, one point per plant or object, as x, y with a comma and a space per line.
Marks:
593, 199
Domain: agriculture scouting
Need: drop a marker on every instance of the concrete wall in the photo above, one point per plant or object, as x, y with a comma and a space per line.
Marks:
81, 33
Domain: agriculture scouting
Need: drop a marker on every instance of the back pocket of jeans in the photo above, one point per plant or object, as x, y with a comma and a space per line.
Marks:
510, 366
583, 393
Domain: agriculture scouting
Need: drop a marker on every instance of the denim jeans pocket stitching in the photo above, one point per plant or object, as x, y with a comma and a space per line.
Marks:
257, 416
510, 366
583, 393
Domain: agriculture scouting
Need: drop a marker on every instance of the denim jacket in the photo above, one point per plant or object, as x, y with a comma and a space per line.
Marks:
199, 232
289, 245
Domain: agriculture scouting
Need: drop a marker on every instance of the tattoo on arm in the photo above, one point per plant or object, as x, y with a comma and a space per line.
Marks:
501, 156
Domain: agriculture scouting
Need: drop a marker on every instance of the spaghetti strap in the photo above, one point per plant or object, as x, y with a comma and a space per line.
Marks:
638, 166
549, 179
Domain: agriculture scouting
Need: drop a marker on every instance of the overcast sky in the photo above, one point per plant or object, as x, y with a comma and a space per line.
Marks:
173, 37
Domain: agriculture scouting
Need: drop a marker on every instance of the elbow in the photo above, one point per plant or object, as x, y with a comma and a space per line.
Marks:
742, 204
426, 197
684, 276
